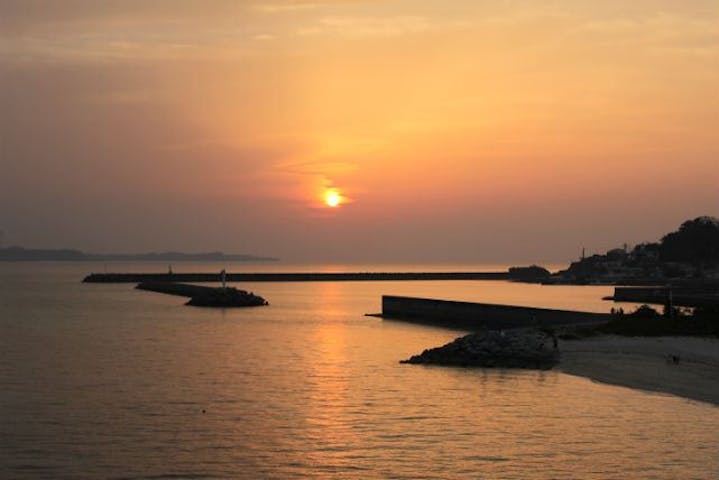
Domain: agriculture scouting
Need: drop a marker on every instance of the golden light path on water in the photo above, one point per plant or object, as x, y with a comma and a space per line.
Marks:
103, 381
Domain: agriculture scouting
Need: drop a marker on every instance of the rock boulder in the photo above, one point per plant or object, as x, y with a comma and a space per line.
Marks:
519, 348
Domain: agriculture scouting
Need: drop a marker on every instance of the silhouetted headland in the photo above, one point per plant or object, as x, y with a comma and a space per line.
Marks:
201, 296
687, 256
290, 277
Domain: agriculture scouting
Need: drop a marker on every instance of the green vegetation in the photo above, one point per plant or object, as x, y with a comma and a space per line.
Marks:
648, 322
696, 242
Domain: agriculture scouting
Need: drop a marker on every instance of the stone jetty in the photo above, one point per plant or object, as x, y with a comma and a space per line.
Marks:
517, 348
201, 296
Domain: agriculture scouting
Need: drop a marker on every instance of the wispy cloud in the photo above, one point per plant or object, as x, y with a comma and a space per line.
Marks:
286, 7
356, 26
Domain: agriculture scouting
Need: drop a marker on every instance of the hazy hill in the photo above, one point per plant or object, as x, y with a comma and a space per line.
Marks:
20, 254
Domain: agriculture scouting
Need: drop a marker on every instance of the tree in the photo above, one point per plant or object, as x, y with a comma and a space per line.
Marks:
696, 241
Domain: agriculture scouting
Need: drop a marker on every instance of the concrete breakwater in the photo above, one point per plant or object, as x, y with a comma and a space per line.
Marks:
201, 296
680, 296
290, 277
478, 316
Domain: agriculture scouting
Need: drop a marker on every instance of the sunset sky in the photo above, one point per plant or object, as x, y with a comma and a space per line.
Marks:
484, 131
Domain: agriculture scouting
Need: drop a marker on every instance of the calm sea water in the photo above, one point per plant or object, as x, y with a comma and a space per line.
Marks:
102, 381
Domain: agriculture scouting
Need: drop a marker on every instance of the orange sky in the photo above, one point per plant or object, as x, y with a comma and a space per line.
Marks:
455, 130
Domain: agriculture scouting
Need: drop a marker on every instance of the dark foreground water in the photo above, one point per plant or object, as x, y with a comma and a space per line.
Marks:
101, 381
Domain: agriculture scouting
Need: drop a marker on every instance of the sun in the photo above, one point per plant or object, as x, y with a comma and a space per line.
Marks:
333, 198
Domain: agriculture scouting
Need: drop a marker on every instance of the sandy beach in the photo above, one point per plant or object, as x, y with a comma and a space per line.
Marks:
645, 363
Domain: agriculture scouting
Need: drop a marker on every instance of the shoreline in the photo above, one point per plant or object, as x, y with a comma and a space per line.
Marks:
644, 363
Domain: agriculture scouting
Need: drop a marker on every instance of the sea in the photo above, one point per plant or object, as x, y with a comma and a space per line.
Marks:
101, 381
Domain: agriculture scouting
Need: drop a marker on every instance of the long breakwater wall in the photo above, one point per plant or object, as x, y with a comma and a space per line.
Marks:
476, 316
290, 277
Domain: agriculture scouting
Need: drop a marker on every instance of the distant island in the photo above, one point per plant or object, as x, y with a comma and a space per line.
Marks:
20, 254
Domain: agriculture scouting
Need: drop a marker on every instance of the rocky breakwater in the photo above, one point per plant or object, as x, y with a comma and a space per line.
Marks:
226, 297
201, 296
518, 348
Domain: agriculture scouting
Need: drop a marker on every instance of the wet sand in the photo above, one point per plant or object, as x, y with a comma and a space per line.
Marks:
645, 363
